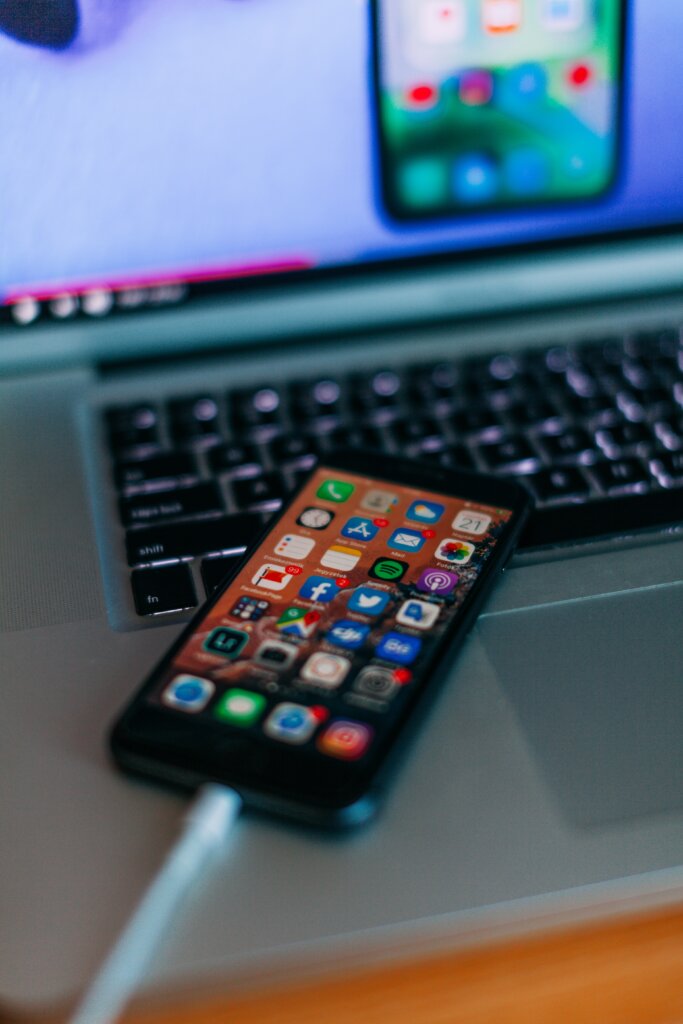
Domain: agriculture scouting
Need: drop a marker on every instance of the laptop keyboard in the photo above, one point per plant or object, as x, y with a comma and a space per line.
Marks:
594, 430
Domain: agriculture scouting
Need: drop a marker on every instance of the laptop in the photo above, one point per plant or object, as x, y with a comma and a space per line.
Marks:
236, 234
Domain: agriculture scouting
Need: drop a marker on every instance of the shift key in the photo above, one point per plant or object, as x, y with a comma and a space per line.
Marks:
229, 534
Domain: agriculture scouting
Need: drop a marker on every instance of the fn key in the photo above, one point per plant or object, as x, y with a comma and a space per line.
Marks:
163, 590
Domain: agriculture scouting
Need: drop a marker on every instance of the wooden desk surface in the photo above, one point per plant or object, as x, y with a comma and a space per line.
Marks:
623, 971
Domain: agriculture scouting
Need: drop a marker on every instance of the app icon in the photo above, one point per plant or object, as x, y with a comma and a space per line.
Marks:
340, 557
315, 518
271, 577
368, 601
376, 682
526, 172
475, 178
319, 588
423, 182
502, 15
475, 88
390, 569
346, 740
471, 522
525, 82
399, 648
188, 693
249, 608
379, 501
292, 723
425, 511
276, 654
442, 21
240, 707
290, 545
328, 670
225, 641
406, 540
358, 528
301, 622
563, 15
418, 614
348, 634
335, 490
437, 581
457, 552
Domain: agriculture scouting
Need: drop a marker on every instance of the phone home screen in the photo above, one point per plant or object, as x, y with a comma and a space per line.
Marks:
494, 103
317, 641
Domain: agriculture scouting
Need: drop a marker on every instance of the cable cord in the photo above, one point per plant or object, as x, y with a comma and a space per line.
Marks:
207, 826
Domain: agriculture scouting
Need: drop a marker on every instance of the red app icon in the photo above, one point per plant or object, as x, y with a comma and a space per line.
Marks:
346, 740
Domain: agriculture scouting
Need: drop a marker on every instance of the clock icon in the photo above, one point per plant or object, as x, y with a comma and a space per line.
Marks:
315, 518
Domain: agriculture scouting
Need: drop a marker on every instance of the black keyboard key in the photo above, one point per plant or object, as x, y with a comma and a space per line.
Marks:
670, 430
215, 570
236, 459
224, 535
456, 456
596, 408
194, 419
383, 388
621, 477
563, 483
513, 454
171, 467
290, 448
478, 421
668, 468
163, 590
132, 426
418, 432
316, 399
266, 491
175, 504
624, 437
356, 437
573, 444
535, 412
254, 407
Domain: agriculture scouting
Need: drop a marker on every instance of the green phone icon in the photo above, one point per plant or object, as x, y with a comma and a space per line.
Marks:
335, 490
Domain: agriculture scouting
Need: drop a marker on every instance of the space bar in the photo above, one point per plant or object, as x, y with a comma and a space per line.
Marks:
229, 534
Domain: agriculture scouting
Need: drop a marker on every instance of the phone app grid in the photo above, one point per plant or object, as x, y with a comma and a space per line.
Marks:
340, 604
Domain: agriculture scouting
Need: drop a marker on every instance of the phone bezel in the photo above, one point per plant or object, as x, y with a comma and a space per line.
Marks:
185, 750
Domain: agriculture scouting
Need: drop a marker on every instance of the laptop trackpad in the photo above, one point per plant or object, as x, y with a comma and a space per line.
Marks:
597, 685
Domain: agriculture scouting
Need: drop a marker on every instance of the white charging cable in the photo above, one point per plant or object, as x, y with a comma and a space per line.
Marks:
207, 826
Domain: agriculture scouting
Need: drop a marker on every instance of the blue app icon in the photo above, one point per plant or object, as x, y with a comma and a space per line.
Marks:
474, 178
425, 511
348, 634
358, 528
368, 601
406, 540
399, 648
319, 588
527, 172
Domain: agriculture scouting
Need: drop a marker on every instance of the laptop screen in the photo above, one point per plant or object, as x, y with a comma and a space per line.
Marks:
164, 142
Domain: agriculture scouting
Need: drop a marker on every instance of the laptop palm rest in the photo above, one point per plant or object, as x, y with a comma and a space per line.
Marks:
597, 688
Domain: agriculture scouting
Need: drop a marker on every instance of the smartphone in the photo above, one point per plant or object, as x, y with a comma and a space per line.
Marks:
491, 104
297, 682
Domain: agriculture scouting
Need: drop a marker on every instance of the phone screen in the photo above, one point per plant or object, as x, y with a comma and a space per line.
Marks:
484, 104
319, 641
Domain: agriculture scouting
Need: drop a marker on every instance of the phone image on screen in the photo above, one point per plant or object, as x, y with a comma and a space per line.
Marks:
493, 104
296, 681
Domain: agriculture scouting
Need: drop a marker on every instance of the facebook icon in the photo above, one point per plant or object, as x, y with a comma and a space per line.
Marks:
319, 588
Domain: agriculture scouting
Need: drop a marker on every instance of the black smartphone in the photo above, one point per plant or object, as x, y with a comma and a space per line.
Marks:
491, 104
299, 679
